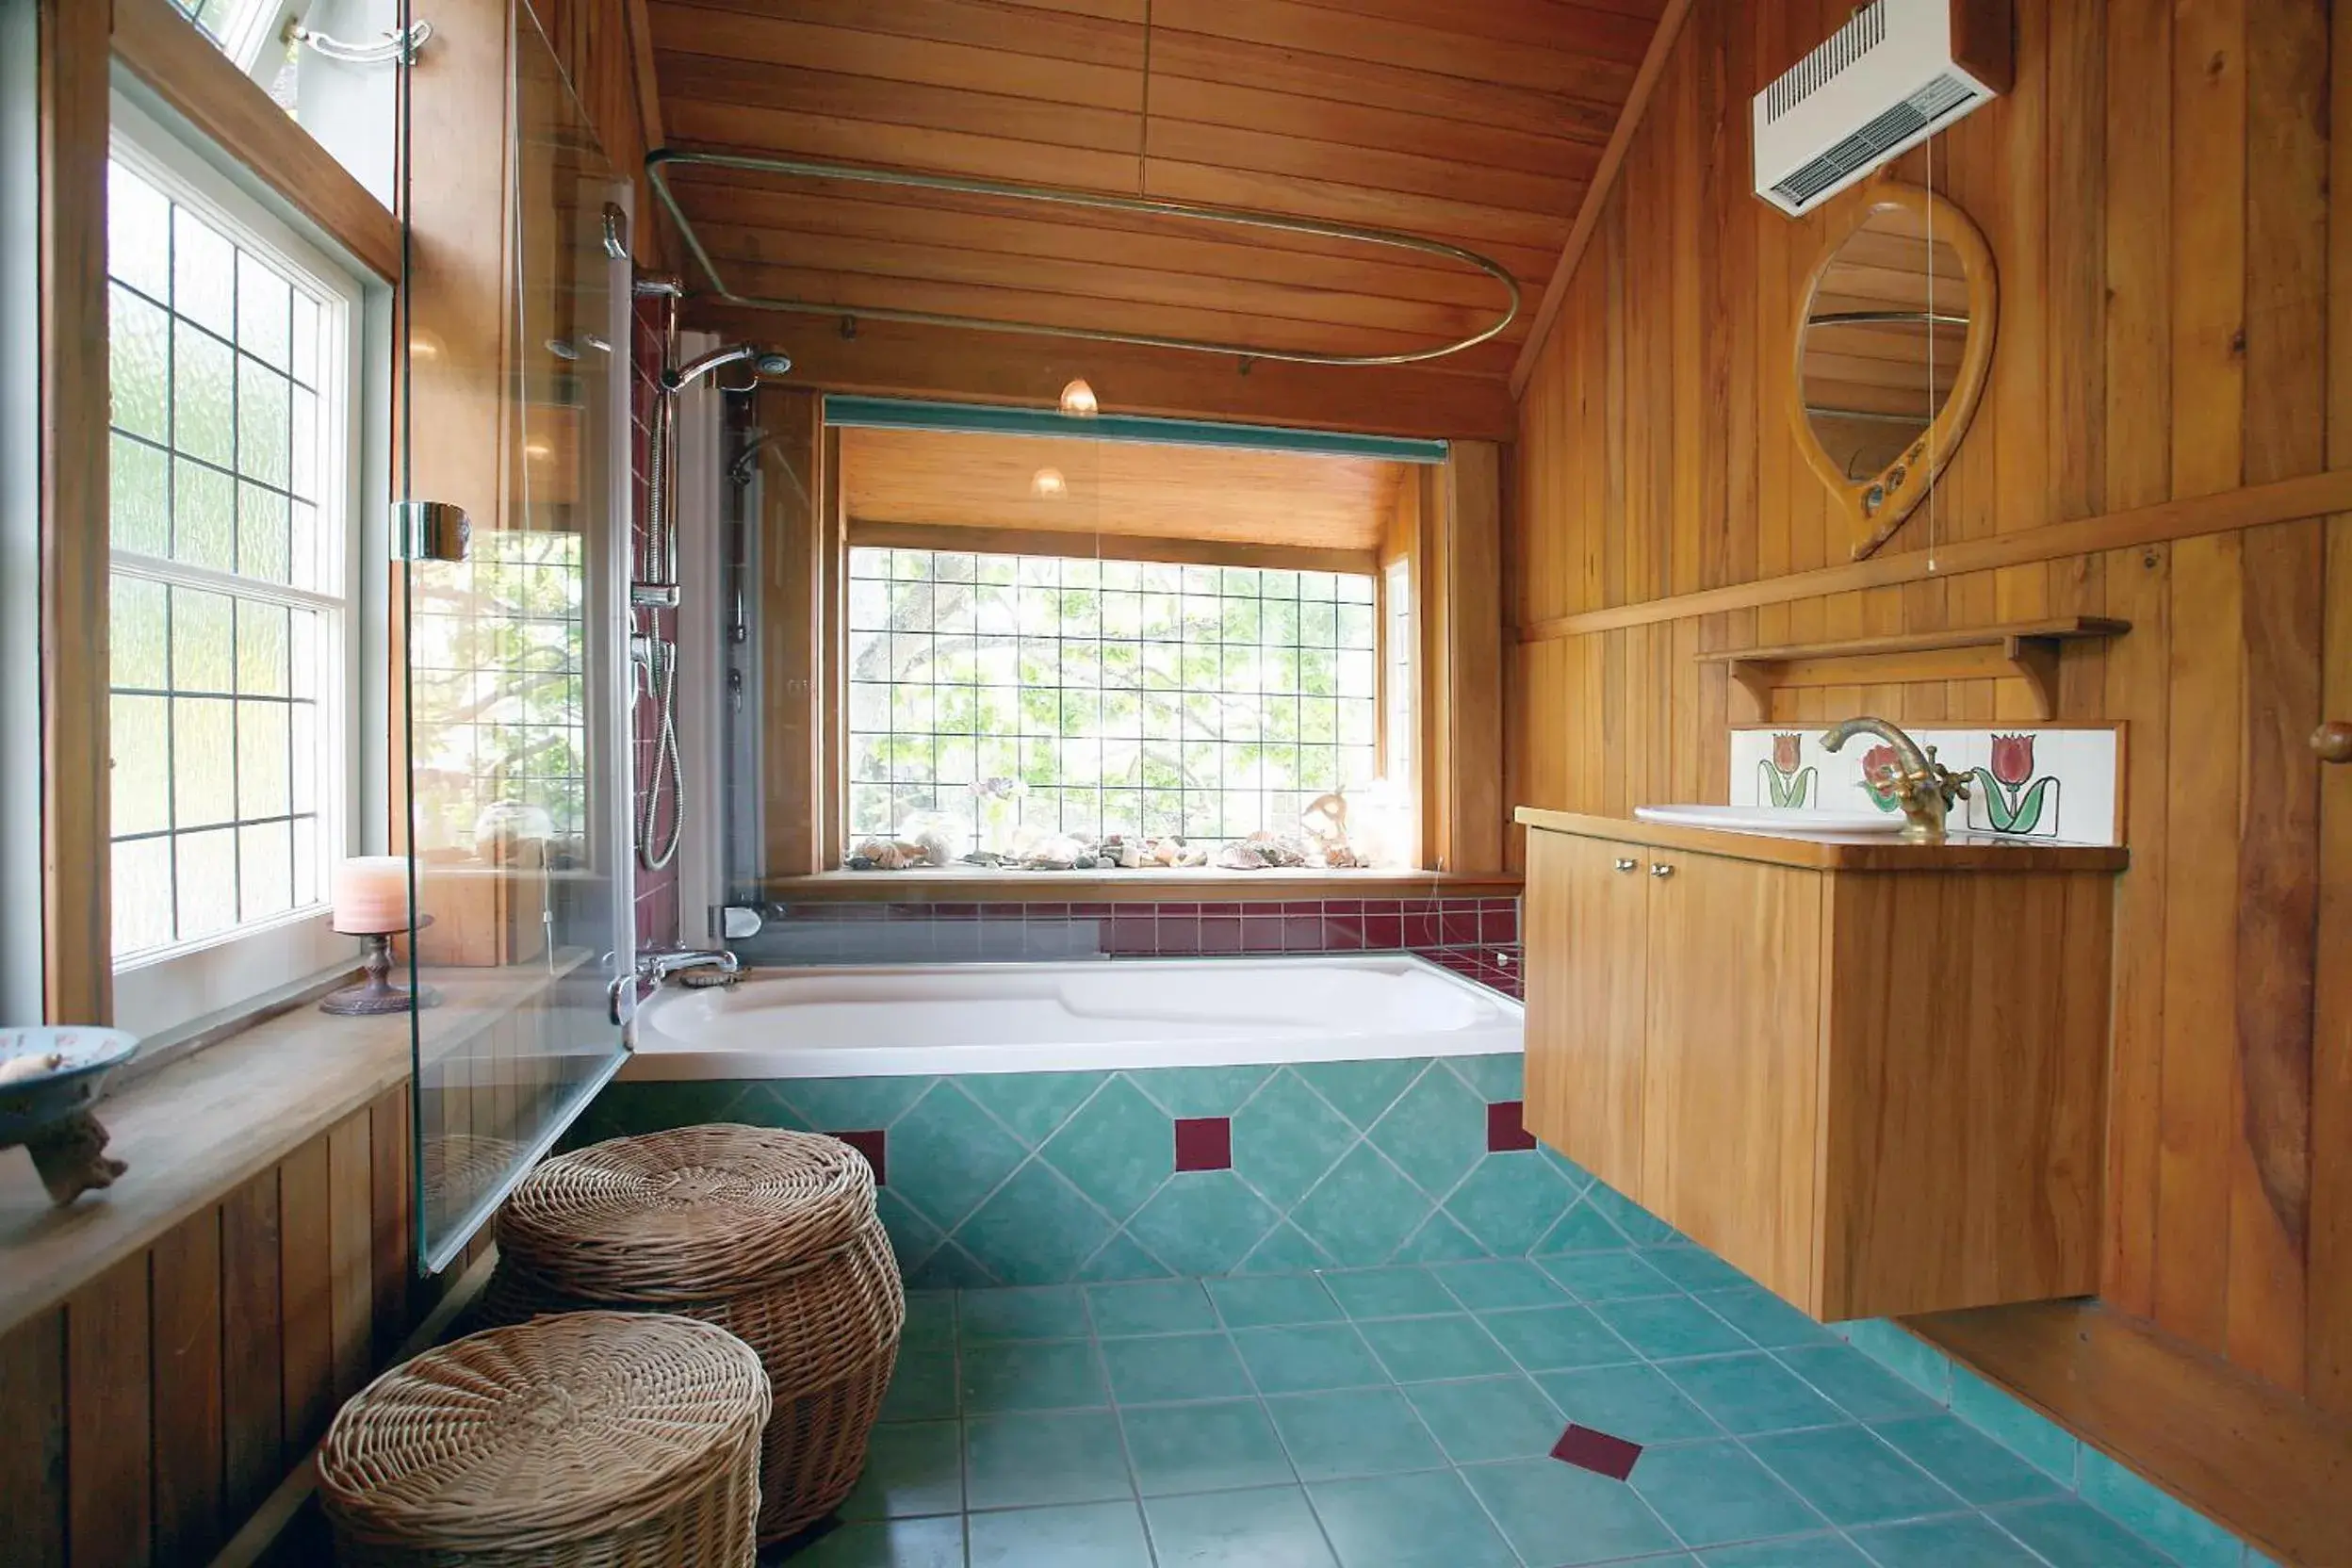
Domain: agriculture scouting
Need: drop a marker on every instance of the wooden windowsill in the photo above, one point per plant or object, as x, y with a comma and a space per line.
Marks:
977, 884
205, 1124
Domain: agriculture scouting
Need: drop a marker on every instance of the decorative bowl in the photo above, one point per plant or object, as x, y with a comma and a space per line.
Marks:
30, 1104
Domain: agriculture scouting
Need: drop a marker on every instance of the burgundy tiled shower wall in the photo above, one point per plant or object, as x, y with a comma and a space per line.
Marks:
656, 890
1474, 936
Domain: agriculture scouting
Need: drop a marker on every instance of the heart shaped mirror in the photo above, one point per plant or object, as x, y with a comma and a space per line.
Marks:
1892, 347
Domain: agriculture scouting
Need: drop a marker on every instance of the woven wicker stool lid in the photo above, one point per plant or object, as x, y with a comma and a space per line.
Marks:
686, 1216
527, 1434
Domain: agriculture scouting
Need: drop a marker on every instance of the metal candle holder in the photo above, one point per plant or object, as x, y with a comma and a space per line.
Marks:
377, 995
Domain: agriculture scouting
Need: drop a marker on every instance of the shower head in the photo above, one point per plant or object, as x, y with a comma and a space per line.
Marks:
695, 369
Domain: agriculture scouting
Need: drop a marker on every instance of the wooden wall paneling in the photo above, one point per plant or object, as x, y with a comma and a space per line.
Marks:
2329, 1321
2139, 692
391, 1221
793, 631
2201, 1108
307, 1297
78, 982
185, 1355
252, 1368
2328, 1316
351, 1247
32, 1462
1477, 811
110, 1441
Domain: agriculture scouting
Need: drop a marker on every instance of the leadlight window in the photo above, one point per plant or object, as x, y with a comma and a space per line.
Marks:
1124, 696
230, 360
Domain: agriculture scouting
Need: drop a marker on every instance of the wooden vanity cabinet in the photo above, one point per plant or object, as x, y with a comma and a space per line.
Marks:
1870, 1075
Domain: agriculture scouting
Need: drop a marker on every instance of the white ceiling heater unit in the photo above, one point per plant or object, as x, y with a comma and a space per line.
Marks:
1899, 70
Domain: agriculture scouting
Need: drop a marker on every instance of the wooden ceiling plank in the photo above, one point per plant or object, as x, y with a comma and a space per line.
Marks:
1357, 270
898, 57
1198, 57
1607, 33
1258, 298
748, 84
989, 24
720, 128
853, 292
1292, 25
1229, 147
1371, 125
719, 193
1596, 195
1476, 228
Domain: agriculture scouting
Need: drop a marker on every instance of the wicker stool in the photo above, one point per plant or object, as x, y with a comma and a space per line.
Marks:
598, 1440
769, 1235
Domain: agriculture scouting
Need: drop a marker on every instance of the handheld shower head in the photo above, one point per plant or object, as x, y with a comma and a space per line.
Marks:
695, 369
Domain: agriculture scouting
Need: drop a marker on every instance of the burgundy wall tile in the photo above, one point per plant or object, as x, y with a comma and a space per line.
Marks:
1505, 1128
1262, 933
1204, 1143
1221, 934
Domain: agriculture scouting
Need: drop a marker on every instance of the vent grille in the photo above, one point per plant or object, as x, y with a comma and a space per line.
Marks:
1902, 123
1846, 46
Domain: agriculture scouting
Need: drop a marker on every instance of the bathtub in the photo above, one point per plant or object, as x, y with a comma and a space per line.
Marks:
945, 1019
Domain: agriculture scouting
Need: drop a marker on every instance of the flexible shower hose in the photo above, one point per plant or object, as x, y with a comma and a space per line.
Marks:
659, 565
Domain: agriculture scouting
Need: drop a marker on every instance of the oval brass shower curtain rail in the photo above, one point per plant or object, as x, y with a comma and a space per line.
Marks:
660, 162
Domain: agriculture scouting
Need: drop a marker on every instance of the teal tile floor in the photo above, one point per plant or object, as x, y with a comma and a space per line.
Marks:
1403, 1417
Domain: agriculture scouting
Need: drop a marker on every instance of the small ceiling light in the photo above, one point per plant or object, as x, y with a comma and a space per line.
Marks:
1078, 399
538, 450
1049, 484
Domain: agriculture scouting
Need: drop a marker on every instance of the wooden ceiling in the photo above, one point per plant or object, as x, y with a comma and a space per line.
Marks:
1479, 125
1131, 489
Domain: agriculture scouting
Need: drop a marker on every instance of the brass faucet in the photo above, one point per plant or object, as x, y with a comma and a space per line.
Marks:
1924, 788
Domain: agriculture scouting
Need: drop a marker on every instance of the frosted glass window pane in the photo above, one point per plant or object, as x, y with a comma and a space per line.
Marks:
138, 497
204, 516
304, 472
207, 873
303, 757
202, 633
204, 273
306, 651
304, 361
141, 739
263, 788
204, 742
306, 888
139, 337
262, 545
304, 568
142, 896
262, 423
265, 870
204, 396
136, 634
264, 301
138, 233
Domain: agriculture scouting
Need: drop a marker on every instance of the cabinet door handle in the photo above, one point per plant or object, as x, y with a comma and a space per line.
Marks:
1661, 869
2333, 742
1626, 865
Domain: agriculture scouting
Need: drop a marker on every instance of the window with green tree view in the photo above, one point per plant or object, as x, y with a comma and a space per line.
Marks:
1124, 697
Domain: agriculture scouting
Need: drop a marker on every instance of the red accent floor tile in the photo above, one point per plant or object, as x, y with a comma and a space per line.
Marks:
874, 1146
1204, 1143
1506, 1127
1596, 1451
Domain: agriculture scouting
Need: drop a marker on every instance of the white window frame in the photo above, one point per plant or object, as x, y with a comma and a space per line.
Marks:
168, 989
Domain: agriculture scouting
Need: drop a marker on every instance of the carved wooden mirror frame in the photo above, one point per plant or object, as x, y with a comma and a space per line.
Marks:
1876, 506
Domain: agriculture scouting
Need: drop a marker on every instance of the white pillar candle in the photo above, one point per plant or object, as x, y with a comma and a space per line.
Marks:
372, 895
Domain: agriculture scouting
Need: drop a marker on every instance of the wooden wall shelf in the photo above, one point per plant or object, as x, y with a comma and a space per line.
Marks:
2019, 650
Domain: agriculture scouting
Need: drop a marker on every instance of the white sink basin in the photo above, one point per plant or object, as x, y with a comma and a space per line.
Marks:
1763, 819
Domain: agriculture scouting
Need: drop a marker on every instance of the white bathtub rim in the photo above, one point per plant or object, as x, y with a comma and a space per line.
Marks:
681, 1062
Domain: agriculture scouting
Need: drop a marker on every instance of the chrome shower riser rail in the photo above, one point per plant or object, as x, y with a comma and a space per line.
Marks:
660, 161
